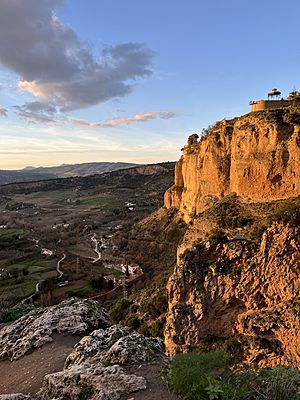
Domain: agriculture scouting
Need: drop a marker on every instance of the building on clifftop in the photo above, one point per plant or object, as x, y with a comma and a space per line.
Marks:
275, 101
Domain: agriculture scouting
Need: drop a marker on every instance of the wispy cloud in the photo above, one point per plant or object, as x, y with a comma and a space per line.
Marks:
56, 66
118, 121
3, 111
37, 112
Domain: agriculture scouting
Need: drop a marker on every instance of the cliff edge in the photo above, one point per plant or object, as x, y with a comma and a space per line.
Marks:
236, 284
255, 156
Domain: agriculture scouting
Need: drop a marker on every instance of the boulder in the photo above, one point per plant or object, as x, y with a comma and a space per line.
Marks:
90, 381
72, 316
116, 345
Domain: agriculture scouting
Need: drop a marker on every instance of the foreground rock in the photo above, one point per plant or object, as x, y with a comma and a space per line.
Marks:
35, 329
116, 345
91, 381
91, 370
15, 396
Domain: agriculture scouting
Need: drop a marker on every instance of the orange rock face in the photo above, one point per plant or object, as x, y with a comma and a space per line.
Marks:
242, 293
256, 156
238, 289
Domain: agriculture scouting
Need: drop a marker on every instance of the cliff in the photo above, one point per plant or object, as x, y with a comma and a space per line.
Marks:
237, 279
256, 156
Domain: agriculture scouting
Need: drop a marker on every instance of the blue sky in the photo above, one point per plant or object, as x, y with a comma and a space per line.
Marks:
115, 80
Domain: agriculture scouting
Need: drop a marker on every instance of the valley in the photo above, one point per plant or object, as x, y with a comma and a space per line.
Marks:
62, 238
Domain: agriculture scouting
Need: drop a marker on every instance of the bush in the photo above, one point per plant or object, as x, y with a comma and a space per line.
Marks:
280, 384
285, 212
133, 322
189, 374
98, 283
207, 376
218, 236
158, 327
16, 312
120, 310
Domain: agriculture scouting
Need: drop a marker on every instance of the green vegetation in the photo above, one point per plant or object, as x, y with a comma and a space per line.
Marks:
84, 291
207, 376
86, 391
144, 312
230, 213
11, 233
286, 211
120, 310
16, 312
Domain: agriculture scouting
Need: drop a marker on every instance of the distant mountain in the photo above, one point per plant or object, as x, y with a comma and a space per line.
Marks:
157, 176
22, 176
30, 174
86, 169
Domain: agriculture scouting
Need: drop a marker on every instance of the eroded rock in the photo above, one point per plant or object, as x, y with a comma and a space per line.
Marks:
35, 329
15, 396
92, 370
116, 345
95, 382
256, 156
246, 295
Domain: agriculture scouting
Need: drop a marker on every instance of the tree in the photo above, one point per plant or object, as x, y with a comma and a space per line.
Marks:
193, 139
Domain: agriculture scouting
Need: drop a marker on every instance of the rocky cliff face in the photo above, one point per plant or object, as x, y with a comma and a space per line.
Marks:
256, 156
234, 287
235, 290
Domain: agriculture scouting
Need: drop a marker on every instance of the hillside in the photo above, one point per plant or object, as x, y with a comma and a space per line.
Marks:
7, 177
236, 283
30, 174
84, 169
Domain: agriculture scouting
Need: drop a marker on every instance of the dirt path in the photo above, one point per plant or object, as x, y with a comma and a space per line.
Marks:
156, 388
26, 374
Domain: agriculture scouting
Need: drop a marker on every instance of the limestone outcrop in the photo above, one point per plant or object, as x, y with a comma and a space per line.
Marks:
15, 396
116, 345
93, 368
245, 296
256, 156
96, 382
35, 329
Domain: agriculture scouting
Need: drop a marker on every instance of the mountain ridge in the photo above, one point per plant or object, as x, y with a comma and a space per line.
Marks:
29, 174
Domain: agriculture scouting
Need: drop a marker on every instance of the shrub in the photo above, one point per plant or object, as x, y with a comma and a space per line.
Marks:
280, 384
158, 327
218, 236
98, 283
16, 312
133, 322
86, 391
189, 374
193, 139
207, 376
285, 212
120, 310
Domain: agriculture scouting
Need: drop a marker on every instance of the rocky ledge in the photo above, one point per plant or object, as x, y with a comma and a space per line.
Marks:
35, 329
94, 366
116, 345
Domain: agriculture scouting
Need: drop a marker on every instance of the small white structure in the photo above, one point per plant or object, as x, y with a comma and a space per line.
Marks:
46, 252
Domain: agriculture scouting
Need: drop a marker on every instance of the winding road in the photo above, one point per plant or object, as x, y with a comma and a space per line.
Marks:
96, 249
59, 271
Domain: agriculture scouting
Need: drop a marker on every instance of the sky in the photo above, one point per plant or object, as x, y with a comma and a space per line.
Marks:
116, 80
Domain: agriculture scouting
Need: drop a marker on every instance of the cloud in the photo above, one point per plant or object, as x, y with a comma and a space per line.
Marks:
114, 122
37, 112
3, 111
56, 66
